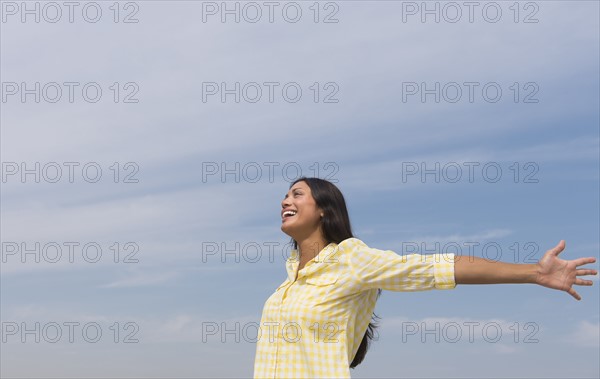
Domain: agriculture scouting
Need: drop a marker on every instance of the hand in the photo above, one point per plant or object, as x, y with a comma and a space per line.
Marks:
559, 274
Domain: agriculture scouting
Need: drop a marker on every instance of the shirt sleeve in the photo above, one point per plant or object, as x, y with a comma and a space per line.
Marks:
385, 269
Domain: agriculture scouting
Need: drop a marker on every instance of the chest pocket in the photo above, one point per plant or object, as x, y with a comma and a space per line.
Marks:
321, 292
322, 280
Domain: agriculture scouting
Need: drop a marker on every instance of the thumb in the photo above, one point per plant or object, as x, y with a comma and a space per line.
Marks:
558, 248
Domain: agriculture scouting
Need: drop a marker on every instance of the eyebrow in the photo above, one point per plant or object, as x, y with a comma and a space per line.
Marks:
295, 189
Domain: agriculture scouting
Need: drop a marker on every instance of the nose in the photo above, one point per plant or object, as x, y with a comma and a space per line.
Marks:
285, 202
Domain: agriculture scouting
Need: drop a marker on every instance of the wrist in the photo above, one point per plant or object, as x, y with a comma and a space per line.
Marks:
533, 273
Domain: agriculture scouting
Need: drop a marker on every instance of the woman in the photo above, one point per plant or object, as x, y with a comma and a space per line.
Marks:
317, 323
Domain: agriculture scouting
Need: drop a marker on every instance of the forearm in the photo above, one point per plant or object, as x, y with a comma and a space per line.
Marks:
473, 270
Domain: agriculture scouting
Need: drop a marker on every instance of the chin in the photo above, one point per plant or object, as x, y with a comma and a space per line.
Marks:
285, 230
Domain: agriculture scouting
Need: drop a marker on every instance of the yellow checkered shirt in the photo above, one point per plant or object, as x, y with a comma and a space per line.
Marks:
312, 326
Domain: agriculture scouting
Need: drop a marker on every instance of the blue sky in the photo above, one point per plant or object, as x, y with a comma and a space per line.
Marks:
373, 138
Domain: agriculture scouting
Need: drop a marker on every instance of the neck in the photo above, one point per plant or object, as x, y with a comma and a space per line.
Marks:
310, 246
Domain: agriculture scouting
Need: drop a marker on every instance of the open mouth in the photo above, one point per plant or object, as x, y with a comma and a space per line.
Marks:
288, 214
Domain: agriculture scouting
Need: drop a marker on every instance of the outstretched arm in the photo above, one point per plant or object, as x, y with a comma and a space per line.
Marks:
550, 271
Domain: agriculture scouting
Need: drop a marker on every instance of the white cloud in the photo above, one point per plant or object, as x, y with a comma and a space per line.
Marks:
482, 237
141, 279
586, 334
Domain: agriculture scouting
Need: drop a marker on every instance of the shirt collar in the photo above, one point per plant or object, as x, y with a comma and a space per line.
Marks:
320, 261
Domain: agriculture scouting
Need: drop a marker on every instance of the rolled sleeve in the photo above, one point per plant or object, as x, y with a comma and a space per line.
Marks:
443, 271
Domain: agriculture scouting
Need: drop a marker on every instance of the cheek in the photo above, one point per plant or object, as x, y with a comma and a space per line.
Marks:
312, 218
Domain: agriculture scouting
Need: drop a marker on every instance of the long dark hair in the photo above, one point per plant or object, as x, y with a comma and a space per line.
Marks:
336, 227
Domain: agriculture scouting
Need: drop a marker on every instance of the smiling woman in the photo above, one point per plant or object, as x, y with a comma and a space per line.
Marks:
321, 314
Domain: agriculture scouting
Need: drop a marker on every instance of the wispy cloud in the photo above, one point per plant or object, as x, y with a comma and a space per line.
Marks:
488, 235
586, 334
143, 279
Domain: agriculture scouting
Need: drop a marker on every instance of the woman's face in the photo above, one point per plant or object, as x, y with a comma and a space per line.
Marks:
305, 216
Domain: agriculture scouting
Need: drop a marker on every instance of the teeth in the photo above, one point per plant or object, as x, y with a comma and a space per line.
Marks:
289, 213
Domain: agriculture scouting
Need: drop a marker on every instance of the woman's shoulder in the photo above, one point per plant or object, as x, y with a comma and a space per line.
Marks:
351, 243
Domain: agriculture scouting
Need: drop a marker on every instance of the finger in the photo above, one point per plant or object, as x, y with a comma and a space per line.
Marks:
574, 293
558, 248
581, 282
583, 261
586, 272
